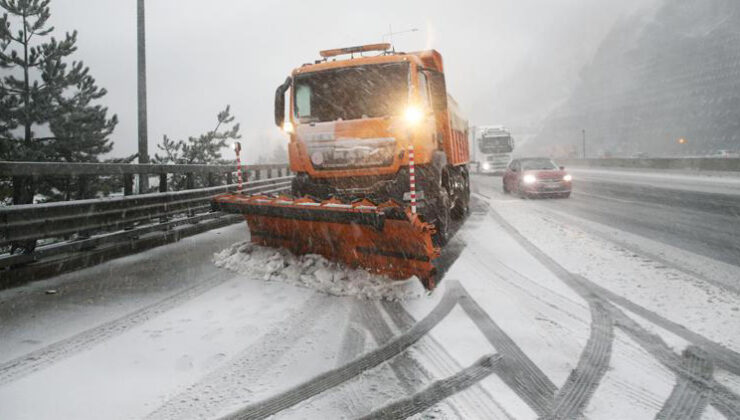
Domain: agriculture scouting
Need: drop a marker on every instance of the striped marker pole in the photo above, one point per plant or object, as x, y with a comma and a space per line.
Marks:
412, 179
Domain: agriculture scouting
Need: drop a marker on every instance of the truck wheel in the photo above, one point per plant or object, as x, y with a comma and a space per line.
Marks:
466, 196
442, 222
462, 200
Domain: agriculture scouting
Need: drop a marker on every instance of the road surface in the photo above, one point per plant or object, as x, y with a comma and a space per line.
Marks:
621, 302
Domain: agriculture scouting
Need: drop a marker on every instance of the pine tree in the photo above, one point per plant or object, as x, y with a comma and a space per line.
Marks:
48, 113
204, 149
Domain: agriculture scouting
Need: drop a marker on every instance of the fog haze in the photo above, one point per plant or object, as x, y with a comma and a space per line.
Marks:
507, 62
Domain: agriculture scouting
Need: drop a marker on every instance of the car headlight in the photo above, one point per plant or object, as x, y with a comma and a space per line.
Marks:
529, 179
413, 115
486, 166
288, 127
568, 178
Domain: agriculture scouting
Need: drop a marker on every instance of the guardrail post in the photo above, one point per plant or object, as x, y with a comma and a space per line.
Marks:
67, 188
189, 181
128, 184
229, 178
163, 183
82, 192
163, 189
189, 185
269, 173
257, 174
82, 184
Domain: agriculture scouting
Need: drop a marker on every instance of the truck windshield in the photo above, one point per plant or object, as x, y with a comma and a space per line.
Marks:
377, 90
496, 145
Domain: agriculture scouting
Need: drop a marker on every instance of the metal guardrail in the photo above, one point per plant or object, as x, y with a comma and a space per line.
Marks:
695, 164
63, 168
41, 221
128, 170
84, 232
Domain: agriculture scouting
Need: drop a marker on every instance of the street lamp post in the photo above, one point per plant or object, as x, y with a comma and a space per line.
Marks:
584, 143
142, 114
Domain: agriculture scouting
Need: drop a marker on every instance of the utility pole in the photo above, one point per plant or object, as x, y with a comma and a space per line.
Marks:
584, 143
141, 61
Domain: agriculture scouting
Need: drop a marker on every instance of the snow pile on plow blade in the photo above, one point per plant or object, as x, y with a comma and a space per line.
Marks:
384, 238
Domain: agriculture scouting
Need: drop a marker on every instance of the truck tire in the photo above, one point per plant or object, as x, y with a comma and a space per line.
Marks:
443, 220
462, 197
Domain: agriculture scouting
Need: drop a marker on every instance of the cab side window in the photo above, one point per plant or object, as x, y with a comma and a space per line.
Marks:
424, 90
438, 90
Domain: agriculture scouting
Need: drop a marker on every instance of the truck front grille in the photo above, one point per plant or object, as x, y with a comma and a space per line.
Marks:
351, 153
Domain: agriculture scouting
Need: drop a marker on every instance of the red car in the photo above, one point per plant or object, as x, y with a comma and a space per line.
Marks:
531, 177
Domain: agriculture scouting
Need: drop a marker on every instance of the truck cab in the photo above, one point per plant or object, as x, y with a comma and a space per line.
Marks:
493, 147
353, 122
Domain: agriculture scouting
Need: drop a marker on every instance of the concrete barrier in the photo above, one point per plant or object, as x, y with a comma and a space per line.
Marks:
691, 164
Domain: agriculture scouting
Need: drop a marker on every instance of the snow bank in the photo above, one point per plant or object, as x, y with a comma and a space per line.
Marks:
314, 272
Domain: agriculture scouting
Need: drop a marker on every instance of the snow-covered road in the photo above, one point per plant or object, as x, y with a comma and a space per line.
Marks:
591, 307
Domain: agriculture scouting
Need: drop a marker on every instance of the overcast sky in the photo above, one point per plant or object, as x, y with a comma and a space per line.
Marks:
507, 62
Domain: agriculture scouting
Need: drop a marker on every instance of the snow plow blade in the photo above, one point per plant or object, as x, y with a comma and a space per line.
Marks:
385, 238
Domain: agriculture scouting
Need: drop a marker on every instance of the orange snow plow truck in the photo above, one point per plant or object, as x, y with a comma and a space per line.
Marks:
380, 154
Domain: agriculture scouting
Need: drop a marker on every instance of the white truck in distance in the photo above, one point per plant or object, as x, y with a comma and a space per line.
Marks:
492, 148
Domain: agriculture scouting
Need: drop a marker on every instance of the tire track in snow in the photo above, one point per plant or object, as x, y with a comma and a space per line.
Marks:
230, 382
722, 398
44, 357
573, 220
719, 354
592, 366
689, 398
726, 402
477, 398
518, 371
439, 390
337, 376
353, 344
406, 369
410, 373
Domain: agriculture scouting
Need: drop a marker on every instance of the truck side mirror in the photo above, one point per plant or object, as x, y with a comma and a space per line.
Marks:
280, 101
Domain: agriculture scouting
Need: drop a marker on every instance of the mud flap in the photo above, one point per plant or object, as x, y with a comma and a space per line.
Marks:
385, 238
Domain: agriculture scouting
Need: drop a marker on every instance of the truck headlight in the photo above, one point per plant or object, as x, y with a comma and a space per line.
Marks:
413, 115
529, 179
288, 127
486, 166
567, 178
